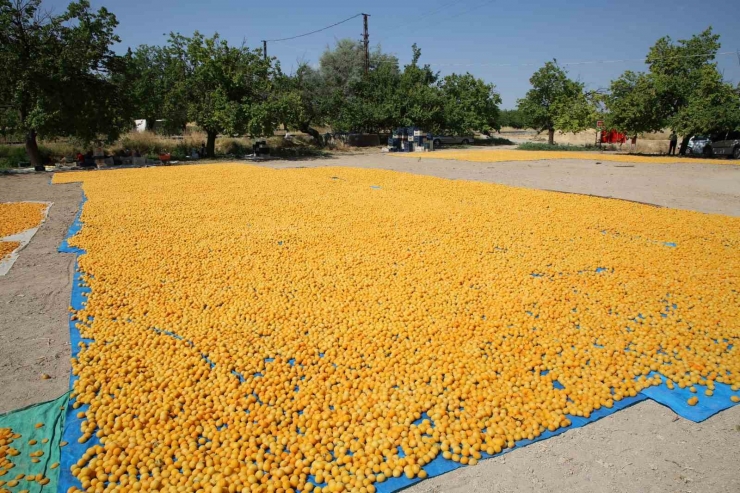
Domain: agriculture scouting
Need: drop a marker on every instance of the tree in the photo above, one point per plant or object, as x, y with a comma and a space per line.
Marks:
633, 105
352, 100
418, 98
713, 105
682, 90
154, 76
469, 104
224, 88
556, 102
512, 118
372, 105
303, 101
60, 75
344, 66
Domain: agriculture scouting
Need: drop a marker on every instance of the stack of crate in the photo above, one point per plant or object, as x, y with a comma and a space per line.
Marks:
409, 139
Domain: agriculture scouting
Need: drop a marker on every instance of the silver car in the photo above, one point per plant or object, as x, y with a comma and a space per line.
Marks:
440, 140
699, 145
726, 144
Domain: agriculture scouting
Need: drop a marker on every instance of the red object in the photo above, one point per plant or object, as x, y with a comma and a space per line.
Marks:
599, 123
612, 137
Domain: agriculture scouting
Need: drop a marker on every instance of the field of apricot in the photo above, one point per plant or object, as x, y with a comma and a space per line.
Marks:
283, 330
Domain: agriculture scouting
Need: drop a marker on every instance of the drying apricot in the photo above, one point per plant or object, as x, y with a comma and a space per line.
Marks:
16, 217
256, 328
492, 156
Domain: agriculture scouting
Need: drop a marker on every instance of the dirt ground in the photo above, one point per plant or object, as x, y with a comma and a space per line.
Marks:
645, 448
651, 143
711, 188
34, 296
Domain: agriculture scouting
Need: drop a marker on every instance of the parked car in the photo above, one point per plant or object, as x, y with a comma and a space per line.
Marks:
699, 145
440, 140
725, 144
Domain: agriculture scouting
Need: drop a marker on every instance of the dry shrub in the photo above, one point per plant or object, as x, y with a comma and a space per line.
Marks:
61, 148
235, 146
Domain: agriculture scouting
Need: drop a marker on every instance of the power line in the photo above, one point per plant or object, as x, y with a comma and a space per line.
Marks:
644, 59
470, 9
416, 21
428, 14
313, 32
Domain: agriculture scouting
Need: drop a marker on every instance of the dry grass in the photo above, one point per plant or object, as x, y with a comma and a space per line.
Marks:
153, 144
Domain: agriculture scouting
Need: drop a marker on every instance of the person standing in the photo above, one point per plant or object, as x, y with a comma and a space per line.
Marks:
674, 142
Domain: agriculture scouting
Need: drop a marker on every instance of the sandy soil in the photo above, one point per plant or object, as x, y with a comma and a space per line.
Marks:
34, 296
711, 188
645, 448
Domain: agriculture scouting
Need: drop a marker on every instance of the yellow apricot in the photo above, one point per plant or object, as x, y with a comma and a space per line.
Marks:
492, 156
16, 217
259, 327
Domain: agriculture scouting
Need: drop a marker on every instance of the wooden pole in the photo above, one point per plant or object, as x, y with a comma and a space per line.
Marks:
366, 42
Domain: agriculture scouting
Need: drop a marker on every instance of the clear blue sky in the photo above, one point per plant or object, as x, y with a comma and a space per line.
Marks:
474, 34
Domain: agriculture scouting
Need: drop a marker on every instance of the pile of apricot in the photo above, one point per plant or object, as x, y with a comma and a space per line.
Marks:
328, 329
16, 217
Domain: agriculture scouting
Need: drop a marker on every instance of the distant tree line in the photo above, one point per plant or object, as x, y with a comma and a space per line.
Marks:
61, 78
235, 91
682, 91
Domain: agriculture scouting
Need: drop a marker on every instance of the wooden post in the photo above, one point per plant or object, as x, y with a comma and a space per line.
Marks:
366, 43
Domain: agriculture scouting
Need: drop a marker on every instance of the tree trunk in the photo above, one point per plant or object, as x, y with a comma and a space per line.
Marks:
306, 129
551, 136
211, 144
684, 145
32, 149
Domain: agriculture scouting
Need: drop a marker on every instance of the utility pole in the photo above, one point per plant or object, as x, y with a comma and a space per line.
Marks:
366, 43
264, 49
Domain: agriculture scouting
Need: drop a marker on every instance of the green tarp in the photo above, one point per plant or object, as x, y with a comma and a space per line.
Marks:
23, 422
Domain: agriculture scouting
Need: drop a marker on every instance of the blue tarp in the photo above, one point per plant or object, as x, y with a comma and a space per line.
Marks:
674, 399
74, 450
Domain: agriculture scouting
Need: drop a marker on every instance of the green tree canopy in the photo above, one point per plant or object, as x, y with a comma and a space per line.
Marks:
682, 90
386, 98
512, 118
469, 104
225, 89
556, 102
154, 76
344, 65
60, 76
418, 99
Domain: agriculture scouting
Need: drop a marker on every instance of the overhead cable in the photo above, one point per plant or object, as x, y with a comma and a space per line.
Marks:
590, 62
313, 32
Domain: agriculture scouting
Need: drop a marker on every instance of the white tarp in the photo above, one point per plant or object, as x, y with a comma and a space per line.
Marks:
24, 237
